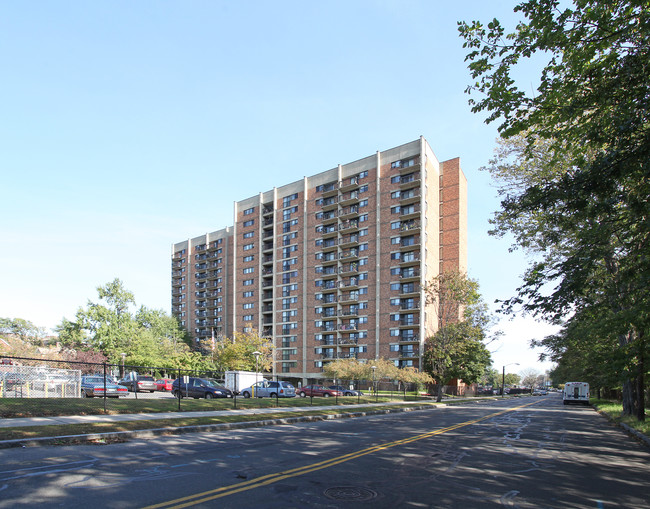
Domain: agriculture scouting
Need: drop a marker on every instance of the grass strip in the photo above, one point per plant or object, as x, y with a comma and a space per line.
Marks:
614, 411
54, 430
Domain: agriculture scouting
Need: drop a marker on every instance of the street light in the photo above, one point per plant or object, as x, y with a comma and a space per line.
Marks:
503, 380
374, 384
257, 369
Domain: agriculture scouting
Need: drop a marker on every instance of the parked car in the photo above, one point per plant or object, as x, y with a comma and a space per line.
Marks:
318, 390
199, 388
269, 389
164, 384
93, 386
346, 392
145, 383
11, 380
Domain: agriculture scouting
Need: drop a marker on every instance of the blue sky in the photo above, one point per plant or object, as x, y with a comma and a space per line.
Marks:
127, 126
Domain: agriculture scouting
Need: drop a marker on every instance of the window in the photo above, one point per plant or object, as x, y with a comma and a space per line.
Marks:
363, 174
394, 348
395, 286
395, 194
363, 203
286, 213
363, 247
249, 305
248, 247
248, 318
395, 179
249, 282
395, 240
395, 271
249, 235
363, 232
286, 201
250, 222
249, 258
249, 270
395, 210
249, 294
363, 189
363, 218
248, 212
395, 225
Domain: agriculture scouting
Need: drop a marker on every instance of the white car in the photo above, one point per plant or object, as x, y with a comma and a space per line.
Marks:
267, 389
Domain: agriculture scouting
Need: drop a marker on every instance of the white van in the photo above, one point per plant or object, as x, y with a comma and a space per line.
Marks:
576, 392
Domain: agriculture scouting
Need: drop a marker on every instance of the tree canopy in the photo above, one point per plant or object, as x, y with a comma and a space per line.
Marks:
577, 185
457, 349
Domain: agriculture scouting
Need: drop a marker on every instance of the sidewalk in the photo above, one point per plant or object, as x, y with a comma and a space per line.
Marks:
346, 411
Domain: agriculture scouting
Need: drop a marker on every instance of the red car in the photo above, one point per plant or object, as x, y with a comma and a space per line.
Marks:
318, 391
164, 384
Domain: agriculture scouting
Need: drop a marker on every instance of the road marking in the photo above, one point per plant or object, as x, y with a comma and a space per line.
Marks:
265, 480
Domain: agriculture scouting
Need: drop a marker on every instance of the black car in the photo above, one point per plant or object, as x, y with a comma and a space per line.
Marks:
199, 388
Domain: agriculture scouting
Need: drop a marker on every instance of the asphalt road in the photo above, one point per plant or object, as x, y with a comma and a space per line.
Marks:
526, 453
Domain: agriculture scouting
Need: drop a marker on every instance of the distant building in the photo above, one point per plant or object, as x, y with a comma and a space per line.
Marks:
331, 266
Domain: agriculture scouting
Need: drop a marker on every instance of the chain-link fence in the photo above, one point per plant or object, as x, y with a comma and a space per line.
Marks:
31, 386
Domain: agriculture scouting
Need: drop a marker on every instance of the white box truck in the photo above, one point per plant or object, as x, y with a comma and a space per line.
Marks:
238, 380
576, 392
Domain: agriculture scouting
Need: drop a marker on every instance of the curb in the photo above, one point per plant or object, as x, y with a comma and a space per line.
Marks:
154, 432
644, 439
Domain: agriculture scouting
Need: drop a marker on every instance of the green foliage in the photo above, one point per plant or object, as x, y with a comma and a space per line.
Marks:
574, 176
457, 349
353, 369
23, 329
238, 353
147, 337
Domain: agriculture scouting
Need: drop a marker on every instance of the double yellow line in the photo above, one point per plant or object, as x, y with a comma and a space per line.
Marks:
265, 480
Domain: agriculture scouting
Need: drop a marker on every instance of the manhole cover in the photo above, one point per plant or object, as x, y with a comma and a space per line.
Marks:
350, 493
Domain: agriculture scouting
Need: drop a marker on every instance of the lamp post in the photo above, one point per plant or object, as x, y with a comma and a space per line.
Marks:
257, 369
503, 379
374, 384
123, 358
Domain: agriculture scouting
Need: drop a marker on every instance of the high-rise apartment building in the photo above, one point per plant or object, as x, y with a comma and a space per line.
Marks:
332, 266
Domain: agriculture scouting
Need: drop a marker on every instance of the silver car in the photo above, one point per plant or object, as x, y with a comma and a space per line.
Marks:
267, 389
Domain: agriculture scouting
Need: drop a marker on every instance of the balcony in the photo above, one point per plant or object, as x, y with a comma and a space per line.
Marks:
410, 212
349, 184
410, 180
349, 198
410, 258
348, 212
409, 273
330, 203
267, 209
409, 322
410, 226
410, 196
349, 254
410, 242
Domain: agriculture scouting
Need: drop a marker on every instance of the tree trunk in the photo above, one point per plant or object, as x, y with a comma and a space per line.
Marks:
629, 397
440, 388
640, 383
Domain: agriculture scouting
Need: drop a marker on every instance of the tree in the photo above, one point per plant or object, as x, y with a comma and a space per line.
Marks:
148, 337
457, 349
587, 209
237, 353
23, 329
529, 377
